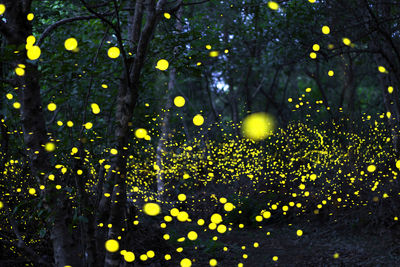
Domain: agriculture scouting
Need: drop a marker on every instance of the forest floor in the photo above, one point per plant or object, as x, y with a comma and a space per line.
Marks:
352, 244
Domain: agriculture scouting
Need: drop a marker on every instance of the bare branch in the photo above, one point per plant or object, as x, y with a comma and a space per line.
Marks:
210, 99
170, 7
59, 23
258, 88
99, 15
196, 3
100, 5
136, 23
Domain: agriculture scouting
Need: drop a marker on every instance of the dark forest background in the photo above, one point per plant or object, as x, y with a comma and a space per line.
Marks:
88, 138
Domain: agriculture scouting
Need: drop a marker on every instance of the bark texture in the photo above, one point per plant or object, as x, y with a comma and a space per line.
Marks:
16, 29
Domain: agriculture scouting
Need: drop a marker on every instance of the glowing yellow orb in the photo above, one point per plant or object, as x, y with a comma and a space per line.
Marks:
273, 5
141, 133
51, 107
381, 69
221, 228
88, 125
162, 64
33, 52
112, 245
336, 255
198, 120
228, 207
398, 164
150, 254
179, 101
346, 41
182, 216
266, 214
299, 232
129, 256
17, 105
143, 257
192, 235
258, 126
174, 212
32, 191
216, 218
326, 30
70, 44
20, 71
49, 147
371, 168
151, 209
95, 108
30, 16
186, 262
214, 54
181, 197
113, 52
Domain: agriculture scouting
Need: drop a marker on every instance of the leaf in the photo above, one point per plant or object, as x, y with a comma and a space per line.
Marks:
42, 232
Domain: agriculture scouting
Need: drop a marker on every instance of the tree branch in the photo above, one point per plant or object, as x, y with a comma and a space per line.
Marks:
258, 88
171, 7
99, 15
136, 23
117, 32
196, 3
59, 23
209, 94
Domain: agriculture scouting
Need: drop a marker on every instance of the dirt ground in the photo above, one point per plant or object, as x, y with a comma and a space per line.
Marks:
318, 246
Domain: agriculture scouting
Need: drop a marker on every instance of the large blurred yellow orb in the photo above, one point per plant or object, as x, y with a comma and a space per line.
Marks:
258, 126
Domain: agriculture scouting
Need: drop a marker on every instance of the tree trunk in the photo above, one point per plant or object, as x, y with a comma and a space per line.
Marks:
3, 125
16, 30
164, 131
126, 102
